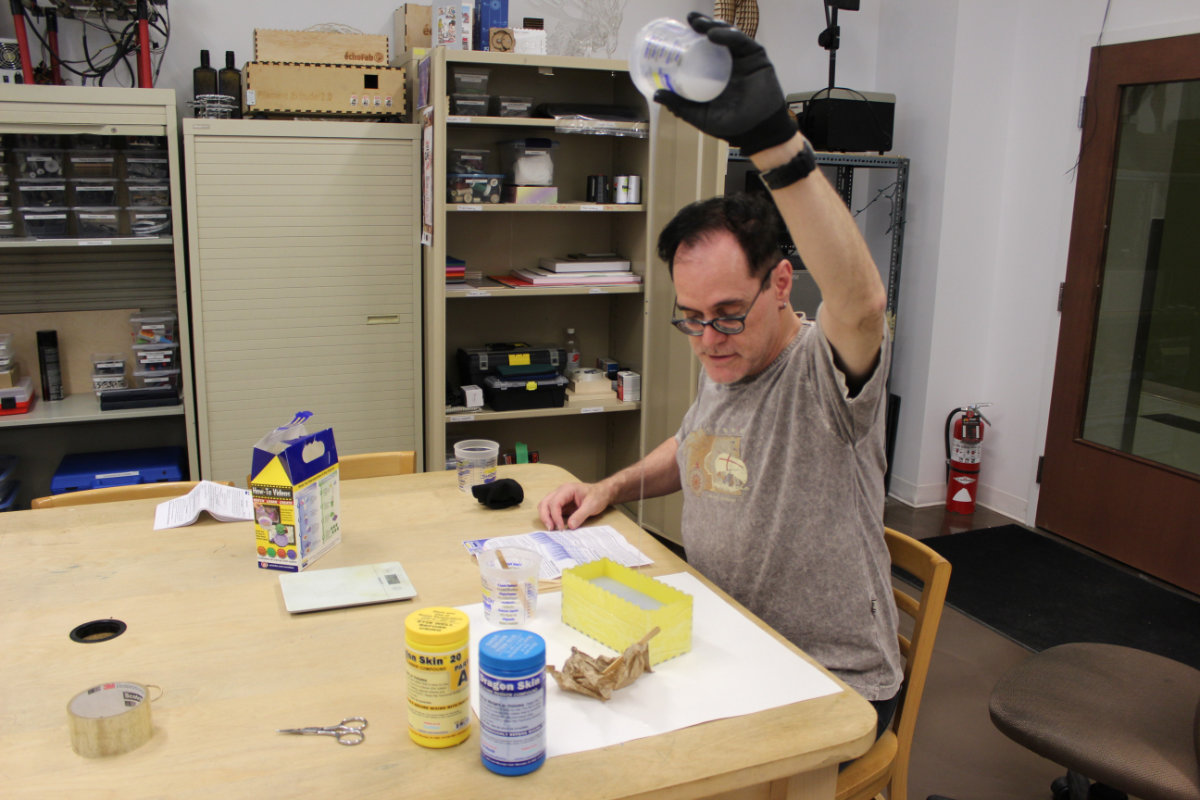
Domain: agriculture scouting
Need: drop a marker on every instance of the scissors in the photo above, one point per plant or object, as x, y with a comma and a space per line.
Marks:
348, 732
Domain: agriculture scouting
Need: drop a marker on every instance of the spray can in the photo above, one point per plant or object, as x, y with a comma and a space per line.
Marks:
512, 701
436, 654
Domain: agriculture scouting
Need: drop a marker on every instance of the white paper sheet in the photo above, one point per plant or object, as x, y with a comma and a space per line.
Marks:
225, 503
341, 587
733, 668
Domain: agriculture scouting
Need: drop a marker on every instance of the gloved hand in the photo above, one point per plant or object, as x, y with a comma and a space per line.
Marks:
751, 113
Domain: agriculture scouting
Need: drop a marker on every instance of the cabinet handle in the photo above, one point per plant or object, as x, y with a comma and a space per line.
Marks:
383, 319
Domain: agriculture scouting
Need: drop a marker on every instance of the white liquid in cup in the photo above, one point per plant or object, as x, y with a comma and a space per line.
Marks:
510, 586
475, 460
668, 54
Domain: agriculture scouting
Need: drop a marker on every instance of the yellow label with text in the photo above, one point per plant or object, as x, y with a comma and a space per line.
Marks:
518, 360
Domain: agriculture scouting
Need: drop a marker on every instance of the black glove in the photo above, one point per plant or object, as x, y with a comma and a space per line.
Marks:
499, 494
751, 113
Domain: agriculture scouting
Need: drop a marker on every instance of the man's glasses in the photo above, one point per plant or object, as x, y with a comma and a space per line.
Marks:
730, 326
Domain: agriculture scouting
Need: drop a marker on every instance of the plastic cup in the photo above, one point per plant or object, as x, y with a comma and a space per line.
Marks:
475, 460
668, 54
509, 577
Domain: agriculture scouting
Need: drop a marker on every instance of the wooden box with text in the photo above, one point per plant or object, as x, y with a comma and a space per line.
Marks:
320, 47
323, 89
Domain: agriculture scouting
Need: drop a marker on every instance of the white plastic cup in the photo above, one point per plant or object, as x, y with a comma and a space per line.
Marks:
475, 461
668, 54
509, 578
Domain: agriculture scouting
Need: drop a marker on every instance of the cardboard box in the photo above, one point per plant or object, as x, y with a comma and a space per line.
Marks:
9, 377
344, 89
320, 47
413, 28
297, 506
530, 194
489, 14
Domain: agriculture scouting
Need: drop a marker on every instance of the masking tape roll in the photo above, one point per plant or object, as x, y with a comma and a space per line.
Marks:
110, 719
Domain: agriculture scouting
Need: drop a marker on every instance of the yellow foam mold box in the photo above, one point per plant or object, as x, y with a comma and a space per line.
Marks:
617, 606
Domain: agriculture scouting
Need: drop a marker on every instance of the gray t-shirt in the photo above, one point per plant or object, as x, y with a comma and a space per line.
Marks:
782, 478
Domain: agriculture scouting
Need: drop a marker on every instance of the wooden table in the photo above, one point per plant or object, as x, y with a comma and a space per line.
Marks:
209, 627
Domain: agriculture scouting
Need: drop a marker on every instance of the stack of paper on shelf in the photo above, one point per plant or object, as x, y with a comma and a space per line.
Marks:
456, 270
606, 269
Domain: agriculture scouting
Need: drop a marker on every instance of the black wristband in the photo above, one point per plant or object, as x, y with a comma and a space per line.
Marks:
793, 171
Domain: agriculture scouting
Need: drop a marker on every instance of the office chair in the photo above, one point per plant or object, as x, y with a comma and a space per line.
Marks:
885, 765
112, 494
374, 465
1128, 719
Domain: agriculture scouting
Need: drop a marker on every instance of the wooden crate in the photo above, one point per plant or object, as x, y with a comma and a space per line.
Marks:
319, 47
341, 89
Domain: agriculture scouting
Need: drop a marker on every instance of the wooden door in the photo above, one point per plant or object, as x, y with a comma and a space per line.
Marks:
1123, 445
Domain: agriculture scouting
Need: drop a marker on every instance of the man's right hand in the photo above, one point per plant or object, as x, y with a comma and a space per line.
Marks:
571, 504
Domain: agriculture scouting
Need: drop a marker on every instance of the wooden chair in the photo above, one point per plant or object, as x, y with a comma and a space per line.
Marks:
112, 494
374, 465
885, 765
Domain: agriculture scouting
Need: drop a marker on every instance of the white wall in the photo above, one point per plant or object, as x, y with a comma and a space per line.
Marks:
987, 105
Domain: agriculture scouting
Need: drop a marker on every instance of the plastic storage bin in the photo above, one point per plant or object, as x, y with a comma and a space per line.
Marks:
103, 383
97, 222
8, 473
469, 105
473, 187
529, 162
18, 399
93, 193
39, 162
155, 357
8, 497
506, 106
45, 223
92, 163
79, 471
524, 393
42, 193
150, 221
153, 327
471, 80
156, 379
147, 165
468, 160
108, 364
508, 361
151, 194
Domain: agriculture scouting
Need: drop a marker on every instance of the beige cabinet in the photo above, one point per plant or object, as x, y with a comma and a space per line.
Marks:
624, 323
305, 279
85, 284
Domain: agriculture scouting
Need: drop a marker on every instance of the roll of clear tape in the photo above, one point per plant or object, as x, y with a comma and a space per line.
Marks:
110, 719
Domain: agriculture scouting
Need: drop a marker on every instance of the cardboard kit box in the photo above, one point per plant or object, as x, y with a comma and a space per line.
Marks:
320, 47
348, 89
297, 505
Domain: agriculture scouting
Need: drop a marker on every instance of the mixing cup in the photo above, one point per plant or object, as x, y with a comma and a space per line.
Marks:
668, 54
509, 576
475, 460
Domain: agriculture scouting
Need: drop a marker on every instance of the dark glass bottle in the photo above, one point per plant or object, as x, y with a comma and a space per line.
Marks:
229, 80
204, 77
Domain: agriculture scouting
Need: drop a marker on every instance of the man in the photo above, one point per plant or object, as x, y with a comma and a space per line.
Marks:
781, 456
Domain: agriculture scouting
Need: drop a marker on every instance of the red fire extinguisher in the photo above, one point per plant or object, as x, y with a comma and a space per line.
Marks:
964, 457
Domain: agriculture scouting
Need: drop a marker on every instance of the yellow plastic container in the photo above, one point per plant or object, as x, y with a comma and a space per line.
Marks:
437, 652
617, 606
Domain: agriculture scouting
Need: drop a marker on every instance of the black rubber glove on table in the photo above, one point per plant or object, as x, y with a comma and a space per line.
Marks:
751, 113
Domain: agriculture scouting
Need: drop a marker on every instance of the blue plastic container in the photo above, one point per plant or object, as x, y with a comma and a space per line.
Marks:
512, 701
8, 497
78, 471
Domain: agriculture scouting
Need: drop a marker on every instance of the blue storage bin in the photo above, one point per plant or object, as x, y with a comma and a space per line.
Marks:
8, 472
117, 468
7, 501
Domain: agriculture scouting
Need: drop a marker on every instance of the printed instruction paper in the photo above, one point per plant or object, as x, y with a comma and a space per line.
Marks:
224, 503
565, 549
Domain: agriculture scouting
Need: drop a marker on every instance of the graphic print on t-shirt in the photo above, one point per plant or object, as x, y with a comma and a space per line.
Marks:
714, 464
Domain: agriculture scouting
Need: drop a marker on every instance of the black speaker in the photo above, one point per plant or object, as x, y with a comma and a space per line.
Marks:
845, 120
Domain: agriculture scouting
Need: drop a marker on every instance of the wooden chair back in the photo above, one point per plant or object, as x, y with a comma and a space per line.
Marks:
885, 765
112, 494
374, 465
